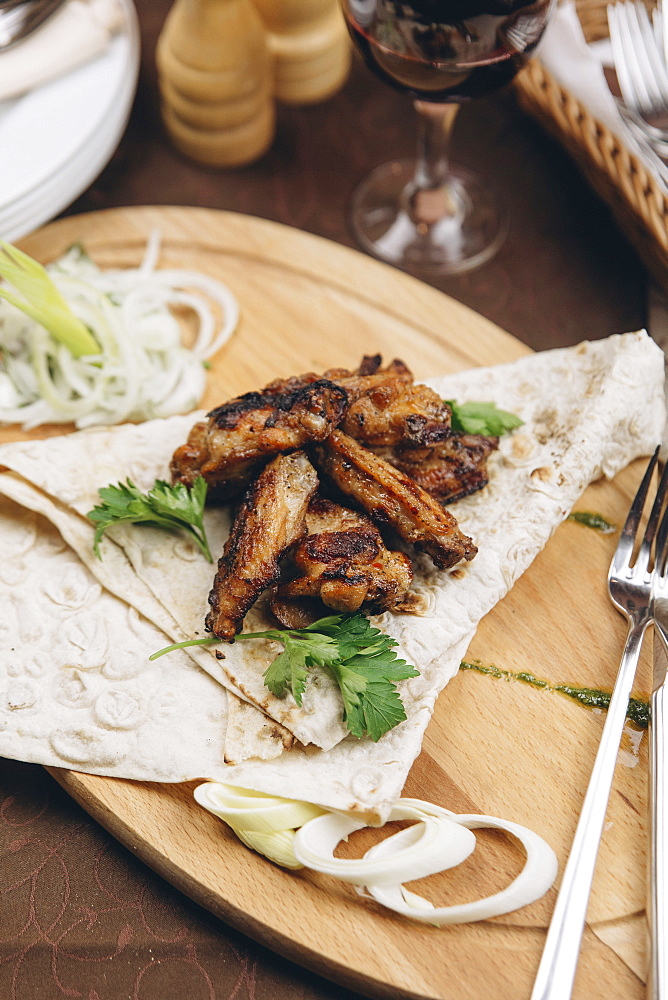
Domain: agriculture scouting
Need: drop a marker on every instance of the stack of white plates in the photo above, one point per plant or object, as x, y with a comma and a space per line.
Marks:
57, 139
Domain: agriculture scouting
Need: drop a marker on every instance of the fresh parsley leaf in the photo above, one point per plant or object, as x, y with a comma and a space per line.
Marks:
164, 506
302, 648
359, 657
482, 418
377, 710
288, 671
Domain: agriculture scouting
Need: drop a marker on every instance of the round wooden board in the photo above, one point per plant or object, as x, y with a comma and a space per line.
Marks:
493, 747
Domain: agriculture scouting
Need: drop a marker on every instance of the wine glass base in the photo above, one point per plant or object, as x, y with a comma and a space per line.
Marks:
467, 235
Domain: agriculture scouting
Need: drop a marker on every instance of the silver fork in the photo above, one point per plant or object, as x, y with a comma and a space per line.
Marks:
630, 588
657, 903
641, 70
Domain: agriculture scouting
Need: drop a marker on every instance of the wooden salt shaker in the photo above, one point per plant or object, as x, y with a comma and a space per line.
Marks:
216, 81
311, 48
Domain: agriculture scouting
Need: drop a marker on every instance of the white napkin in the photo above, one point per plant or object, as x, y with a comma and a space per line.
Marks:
78, 32
578, 67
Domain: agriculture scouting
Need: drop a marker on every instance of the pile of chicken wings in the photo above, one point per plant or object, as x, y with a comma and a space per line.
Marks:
326, 470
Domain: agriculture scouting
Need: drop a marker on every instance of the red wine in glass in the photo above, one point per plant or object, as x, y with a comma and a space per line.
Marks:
429, 215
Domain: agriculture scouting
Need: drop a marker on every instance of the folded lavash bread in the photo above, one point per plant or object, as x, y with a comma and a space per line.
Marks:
587, 411
60, 626
170, 581
76, 687
256, 736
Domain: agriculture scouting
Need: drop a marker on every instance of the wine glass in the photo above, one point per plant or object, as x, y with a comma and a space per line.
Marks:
429, 215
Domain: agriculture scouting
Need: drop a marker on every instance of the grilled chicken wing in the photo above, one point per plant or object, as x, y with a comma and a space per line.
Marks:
409, 425
392, 499
241, 436
343, 560
270, 519
450, 469
384, 407
394, 413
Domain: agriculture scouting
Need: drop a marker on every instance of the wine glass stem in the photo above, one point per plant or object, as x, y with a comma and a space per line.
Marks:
429, 197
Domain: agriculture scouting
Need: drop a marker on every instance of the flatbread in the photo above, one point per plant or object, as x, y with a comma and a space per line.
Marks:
76, 687
588, 411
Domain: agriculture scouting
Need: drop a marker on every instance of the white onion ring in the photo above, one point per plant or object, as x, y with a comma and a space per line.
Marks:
437, 844
298, 834
538, 874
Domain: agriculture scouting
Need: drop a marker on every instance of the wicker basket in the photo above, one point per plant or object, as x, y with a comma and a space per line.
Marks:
635, 198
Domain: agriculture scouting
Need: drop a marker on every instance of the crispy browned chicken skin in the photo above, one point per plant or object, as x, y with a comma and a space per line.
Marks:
392, 499
270, 519
449, 469
241, 436
383, 443
406, 424
343, 561
393, 413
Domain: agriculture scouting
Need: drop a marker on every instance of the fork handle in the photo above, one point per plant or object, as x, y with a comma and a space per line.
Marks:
556, 972
657, 982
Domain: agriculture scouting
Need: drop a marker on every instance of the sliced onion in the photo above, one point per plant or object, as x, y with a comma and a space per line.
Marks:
298, 834
246, 810
142, 370
265, 823
538, 874
277, 846
436, 844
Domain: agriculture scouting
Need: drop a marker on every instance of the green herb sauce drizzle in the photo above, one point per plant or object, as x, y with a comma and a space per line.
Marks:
637, 711
591, 520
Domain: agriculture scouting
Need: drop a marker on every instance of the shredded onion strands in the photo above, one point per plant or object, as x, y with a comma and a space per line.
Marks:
142, 370
297, 834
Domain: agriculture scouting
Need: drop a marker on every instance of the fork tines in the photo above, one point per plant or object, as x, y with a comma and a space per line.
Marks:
653, 529
639, 63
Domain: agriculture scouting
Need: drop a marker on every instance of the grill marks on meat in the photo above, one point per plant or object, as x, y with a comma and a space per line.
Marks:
386, 446
450, 469
390, 413
393, 500
343, 561
406, 424
270, 519
241, 436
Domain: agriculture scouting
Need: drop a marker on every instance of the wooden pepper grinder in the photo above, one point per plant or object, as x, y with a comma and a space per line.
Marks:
216, 81
311, 48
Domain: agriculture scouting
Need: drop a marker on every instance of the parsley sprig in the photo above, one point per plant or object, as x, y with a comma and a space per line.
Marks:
359, 657
482, 418
165, 506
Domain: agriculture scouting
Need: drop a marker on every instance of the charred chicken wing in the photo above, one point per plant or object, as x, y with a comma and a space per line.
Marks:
449, 469
241, 436
343, 561
270, 519
392, 499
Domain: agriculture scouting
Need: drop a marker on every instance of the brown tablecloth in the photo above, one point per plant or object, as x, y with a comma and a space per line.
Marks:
79, 916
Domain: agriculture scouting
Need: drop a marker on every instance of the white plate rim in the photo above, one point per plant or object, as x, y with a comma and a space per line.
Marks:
72, 173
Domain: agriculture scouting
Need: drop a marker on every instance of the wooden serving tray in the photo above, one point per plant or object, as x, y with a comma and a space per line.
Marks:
494, 746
